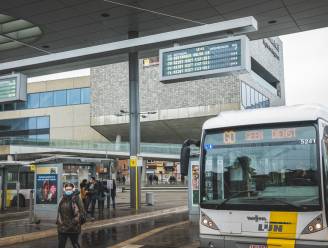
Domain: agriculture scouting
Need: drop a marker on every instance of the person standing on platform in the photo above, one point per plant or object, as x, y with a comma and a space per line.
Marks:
92, 195
113, 193
101, 196
83, 188
69, 217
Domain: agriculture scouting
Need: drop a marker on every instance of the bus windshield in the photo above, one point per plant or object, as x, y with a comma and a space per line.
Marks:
271, 168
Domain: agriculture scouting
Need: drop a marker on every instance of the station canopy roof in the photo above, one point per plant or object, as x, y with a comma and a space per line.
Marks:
30, 28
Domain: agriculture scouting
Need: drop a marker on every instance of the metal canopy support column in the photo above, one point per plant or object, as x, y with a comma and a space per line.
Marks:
134, 110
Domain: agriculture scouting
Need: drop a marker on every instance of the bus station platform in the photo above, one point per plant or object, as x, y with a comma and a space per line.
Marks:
166, 203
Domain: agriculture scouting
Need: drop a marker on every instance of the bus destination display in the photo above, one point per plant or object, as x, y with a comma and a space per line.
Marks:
203, 59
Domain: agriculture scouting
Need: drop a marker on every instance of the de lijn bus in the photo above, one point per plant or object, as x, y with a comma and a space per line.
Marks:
264, 178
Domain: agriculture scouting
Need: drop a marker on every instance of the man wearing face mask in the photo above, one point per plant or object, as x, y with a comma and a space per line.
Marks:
69, 217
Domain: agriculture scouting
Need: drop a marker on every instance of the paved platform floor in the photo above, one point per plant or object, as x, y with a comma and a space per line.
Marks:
181, 236
163, 200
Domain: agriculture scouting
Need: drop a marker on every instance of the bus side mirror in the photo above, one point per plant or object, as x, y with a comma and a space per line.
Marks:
184, 159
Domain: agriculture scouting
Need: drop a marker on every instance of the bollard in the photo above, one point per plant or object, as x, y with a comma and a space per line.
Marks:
150, 198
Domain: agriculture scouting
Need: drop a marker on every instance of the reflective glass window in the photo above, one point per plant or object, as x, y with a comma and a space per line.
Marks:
248, 96
43, 122
74, 96
32, 138
33, 100
9, 106
46, 99
21, 105
85, 95
256, 99
243, 94
261, 101
42, 137
252, 97
60, 98
32, 123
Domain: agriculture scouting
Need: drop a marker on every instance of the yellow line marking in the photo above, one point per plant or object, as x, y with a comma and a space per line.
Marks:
147, 234
137, 200
283, 230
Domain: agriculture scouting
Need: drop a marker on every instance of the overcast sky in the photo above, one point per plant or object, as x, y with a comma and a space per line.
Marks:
306, 67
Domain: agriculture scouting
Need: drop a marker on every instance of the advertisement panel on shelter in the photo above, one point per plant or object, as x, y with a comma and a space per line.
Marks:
195, 182
46, 185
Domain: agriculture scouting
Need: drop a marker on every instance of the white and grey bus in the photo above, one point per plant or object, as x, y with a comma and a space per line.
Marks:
264, 178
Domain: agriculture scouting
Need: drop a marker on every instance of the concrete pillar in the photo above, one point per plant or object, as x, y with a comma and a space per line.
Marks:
118, 142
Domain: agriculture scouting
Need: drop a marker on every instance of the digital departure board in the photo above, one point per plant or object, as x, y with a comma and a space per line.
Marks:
13, 88
206, 59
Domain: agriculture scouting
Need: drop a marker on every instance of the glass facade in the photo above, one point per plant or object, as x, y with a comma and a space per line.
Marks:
51, 99
251, 98
30, 128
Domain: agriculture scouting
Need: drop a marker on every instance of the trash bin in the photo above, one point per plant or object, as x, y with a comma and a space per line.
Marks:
150, 198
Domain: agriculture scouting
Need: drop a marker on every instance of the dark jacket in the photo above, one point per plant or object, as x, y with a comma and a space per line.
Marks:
69, 212
113, 190
93, 191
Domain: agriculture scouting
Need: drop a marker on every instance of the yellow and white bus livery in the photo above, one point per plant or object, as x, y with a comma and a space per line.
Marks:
264, 178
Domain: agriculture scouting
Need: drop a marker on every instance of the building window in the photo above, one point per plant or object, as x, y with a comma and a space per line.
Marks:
33, 100
26, 129
31, 123
73, 96
85, 95
60, 98
9, 106
43, 122
46, 99
251, 98
50, 99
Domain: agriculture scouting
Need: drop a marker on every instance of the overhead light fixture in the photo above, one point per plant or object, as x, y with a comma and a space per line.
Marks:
16, 33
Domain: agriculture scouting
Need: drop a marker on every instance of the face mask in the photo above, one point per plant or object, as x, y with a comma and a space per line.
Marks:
68, 193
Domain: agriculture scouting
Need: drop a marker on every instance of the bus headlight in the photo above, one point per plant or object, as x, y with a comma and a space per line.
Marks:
315, 225
208, 222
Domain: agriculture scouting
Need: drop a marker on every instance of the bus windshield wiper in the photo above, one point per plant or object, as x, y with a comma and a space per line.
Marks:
295, 205
235, 196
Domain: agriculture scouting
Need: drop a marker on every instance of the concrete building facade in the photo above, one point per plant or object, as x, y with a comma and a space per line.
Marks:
54, 110
182, 107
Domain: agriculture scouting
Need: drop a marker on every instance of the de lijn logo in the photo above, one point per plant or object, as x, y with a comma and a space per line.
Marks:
270, 227
267, 226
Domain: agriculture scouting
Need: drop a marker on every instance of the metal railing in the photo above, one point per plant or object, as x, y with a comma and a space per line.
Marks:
150, 148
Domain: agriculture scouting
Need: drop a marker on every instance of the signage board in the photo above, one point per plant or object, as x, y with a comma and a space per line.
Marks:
205, 59
110, 184
46, 181
133, 161
13, 88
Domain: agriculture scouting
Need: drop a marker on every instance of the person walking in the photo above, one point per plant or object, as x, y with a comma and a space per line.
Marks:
113, 193
69, 217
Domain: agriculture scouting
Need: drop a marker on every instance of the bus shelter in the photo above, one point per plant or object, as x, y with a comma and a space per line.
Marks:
53, 172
